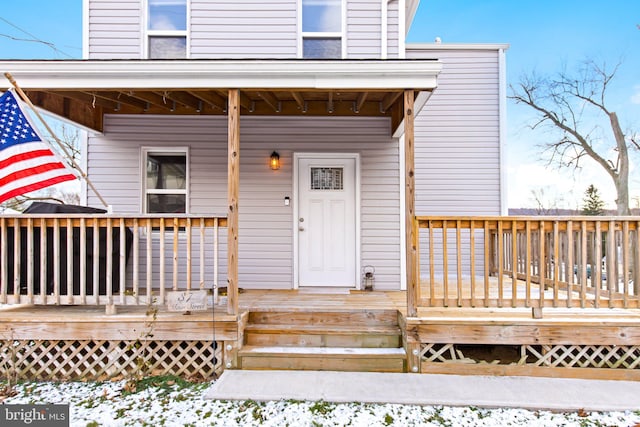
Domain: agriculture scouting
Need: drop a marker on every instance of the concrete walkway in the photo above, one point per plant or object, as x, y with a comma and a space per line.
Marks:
428, 389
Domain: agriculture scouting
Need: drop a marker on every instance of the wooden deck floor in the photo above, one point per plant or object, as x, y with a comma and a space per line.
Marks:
303, 300
564, 337
295, 301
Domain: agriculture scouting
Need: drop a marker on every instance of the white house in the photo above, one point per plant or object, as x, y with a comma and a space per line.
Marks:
320, 85
287, 148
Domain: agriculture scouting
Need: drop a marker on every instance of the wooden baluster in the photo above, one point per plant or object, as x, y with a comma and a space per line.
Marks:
612, 273
541, 262
96, 261
162, 261
189, 254
123, 264
487, 261
528, 263
16, 260
459, 262
583, 264
109, 257
432, 266
149, 279
598, 264
625, 263
568, 268
83, 261
556, 263
176, 248
30, 263
215, 260
135, 248
514, 263
500, 262
472, 255
70, 260
43, 261
445, 264
56, 256
201, 249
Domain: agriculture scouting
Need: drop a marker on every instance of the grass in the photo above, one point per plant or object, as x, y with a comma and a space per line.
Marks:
173, 401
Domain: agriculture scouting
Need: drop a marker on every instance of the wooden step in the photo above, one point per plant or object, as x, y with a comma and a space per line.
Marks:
323, 336
326, 318
323, 358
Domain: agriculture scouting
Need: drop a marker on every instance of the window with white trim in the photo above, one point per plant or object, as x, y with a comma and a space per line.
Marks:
165, 181
166, 29
322, 33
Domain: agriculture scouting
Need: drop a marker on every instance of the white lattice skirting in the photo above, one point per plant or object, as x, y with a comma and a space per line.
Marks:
96, 359
556, 356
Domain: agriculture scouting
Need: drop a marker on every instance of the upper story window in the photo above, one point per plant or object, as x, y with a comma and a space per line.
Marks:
322, 34
166, 29
165, 181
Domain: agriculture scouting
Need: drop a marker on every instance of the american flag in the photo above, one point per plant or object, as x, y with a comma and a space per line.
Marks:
26, 161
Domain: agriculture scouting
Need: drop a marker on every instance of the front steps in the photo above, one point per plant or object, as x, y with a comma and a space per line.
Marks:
365, 341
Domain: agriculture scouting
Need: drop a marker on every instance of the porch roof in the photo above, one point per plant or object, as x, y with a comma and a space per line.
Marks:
84, 90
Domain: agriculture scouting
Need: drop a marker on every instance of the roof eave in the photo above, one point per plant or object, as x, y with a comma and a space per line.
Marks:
245, 74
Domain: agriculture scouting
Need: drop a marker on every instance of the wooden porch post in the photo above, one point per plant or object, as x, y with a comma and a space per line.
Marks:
233, 186
411, 237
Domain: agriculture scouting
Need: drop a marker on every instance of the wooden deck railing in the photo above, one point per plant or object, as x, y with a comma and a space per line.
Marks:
528, 262
77, 259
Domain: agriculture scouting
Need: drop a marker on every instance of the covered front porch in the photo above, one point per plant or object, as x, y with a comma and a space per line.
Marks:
493, 295
371, 105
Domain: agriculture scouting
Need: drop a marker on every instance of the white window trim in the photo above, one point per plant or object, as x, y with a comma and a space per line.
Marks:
144, 152
146, 33
335, 34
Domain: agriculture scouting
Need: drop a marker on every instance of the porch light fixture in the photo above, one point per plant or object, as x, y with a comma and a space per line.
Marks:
274, 163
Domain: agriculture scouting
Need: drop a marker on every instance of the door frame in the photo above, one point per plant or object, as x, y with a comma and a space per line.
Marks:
296, 171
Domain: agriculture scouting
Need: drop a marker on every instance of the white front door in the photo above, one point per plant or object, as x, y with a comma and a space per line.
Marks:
326, 223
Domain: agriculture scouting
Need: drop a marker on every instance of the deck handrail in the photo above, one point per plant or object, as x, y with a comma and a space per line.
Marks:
135, 259
549, 261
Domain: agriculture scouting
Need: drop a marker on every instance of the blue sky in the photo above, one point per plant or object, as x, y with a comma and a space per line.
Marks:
543, 36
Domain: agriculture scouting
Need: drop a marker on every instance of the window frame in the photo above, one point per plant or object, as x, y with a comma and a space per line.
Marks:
147, 33
145, 152
341, 35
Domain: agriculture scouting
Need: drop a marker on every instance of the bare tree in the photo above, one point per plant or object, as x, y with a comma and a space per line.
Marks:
546, 203
574, 107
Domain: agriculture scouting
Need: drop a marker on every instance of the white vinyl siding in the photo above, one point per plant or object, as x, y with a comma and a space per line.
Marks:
237, 29
457, 136
363, 29
243, 29
266, 224
457, 149
364, 26
115, 30
392, 29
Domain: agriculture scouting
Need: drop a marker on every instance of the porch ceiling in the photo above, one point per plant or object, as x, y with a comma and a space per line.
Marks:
83, 91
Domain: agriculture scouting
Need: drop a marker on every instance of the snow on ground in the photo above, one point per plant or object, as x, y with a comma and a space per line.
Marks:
172, 402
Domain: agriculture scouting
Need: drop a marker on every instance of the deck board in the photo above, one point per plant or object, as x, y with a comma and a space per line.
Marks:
608, 327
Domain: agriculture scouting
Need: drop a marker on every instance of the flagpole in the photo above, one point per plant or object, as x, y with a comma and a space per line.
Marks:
26, 99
